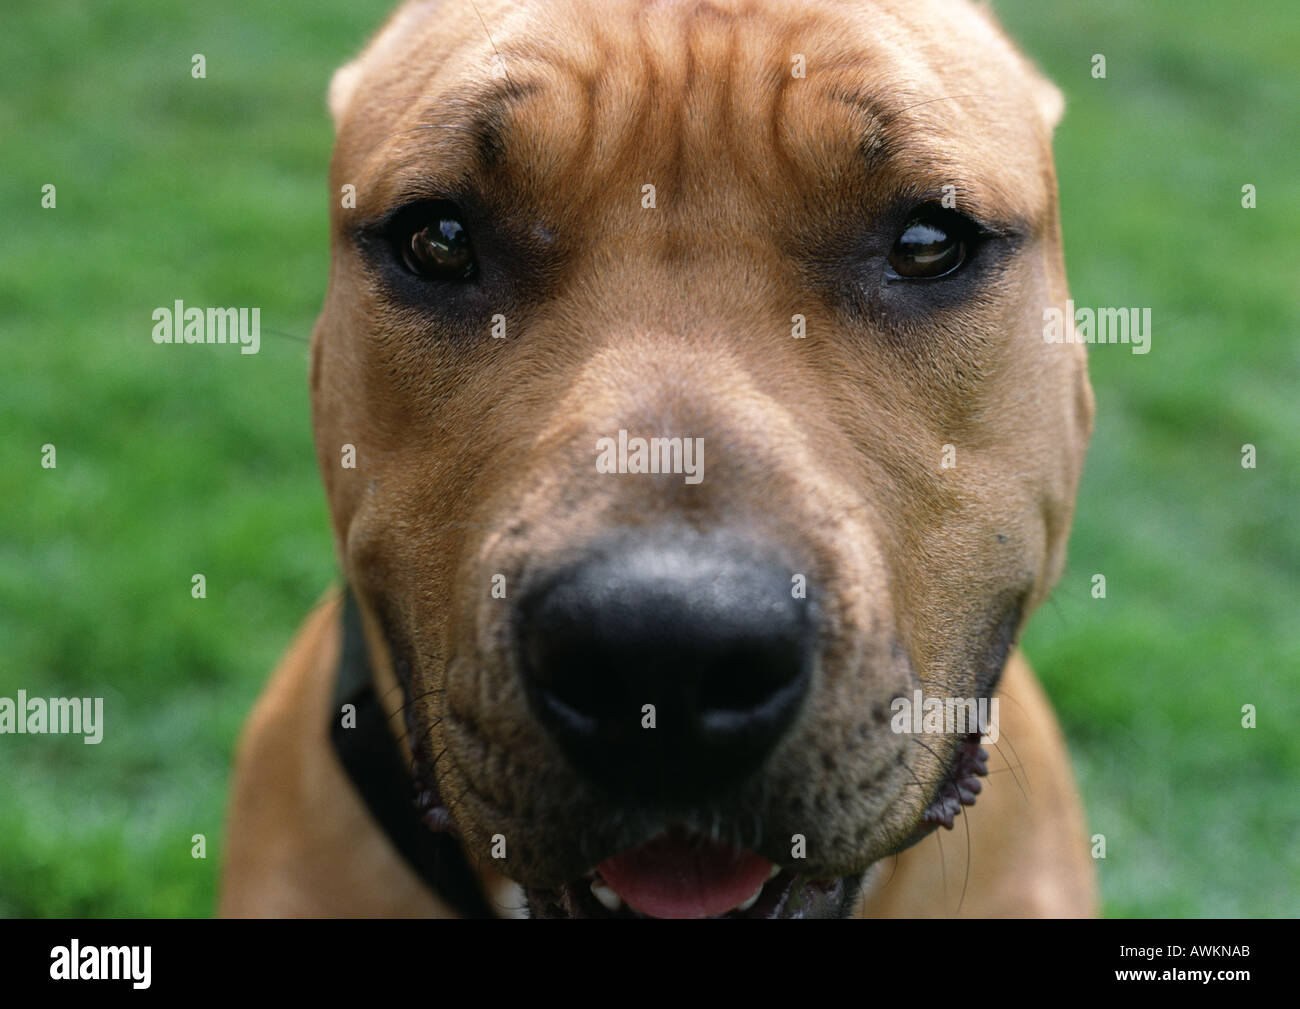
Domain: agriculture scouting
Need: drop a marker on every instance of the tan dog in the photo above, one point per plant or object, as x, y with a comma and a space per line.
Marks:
811, 241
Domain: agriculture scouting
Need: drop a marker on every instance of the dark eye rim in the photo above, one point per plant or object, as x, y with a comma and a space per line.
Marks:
964, 228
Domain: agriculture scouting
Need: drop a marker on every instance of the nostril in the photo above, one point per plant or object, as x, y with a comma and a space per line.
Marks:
568, 665
750, 675
712, 638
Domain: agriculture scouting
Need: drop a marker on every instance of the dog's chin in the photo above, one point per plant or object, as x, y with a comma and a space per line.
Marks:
681, 873
684, 876
783, 896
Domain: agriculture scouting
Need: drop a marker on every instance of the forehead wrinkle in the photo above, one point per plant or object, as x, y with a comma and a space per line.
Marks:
918, 142
457, 136
895, 130
481, 112
885, 125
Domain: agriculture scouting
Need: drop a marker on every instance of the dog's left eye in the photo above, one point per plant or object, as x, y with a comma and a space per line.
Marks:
934, 243
433, 243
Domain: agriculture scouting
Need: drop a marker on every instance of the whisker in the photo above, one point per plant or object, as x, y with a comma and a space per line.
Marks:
1024, 789
500, 61
966, 877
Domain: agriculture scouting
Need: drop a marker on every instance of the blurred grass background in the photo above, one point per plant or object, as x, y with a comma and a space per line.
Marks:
172, 462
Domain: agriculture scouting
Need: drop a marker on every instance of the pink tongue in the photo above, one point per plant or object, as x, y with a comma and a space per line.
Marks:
677, 877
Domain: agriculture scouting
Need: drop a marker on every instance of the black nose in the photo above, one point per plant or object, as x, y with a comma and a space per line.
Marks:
670, 666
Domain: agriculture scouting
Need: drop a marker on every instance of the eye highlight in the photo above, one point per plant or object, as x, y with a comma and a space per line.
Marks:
934, 243
431, 241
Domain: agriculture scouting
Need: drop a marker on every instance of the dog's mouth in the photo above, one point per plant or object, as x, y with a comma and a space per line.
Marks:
684, 875
681, 875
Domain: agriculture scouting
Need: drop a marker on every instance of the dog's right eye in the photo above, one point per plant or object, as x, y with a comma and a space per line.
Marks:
934, 244
431, 241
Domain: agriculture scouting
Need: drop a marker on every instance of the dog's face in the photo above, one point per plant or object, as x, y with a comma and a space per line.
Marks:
836, 284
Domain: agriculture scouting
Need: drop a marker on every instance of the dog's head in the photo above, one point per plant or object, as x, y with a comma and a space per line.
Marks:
690, 357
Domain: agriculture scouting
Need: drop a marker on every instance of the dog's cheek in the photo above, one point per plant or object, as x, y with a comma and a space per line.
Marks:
1076, 430
331, 418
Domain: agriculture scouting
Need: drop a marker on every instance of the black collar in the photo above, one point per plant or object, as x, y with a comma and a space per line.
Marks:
374, 763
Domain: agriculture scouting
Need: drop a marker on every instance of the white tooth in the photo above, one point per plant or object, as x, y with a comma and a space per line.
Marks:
776, 871
608, 898
751, 902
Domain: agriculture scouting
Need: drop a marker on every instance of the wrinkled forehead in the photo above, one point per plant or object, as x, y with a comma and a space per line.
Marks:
916, 96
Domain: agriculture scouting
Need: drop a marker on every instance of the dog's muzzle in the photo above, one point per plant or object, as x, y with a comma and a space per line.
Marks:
668, 667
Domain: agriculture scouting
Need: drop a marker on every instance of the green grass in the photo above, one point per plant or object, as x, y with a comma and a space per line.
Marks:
214, 191
1201, 556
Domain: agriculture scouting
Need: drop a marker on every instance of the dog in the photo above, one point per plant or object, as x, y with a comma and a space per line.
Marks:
685, 415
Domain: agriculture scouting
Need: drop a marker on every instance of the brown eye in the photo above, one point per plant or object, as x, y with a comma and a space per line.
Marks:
435, 245
934, 244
